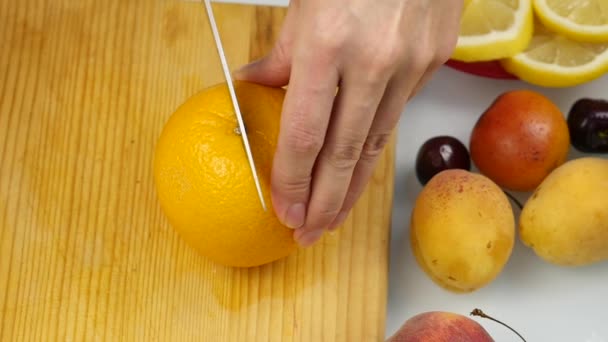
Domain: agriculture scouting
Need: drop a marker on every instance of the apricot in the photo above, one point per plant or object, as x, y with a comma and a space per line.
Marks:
565, 221
462, 230
519, 139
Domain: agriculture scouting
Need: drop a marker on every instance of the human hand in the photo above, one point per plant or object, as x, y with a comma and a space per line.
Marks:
351, 66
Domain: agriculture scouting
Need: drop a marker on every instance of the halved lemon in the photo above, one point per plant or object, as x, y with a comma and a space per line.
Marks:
493, 29
581, 20
552, 60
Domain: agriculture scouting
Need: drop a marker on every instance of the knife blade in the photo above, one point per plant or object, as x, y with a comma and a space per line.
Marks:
235, 102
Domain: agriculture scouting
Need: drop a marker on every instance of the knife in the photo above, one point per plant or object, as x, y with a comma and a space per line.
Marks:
235, 103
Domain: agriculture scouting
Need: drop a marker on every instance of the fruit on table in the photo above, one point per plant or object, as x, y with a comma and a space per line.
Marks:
519, 139
462, 230
550, 43
440, 326
588, 124
507, 33
438, 154
204, 183
552, 60
583, 21
565, 221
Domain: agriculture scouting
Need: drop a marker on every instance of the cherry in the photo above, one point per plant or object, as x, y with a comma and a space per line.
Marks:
588, 125
438, 154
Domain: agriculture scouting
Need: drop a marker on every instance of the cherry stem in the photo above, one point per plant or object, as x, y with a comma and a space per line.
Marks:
478, 312
518, 203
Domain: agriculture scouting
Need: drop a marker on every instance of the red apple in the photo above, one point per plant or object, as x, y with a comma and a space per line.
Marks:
439, 326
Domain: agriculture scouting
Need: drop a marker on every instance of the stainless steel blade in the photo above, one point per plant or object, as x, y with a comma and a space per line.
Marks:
239, 117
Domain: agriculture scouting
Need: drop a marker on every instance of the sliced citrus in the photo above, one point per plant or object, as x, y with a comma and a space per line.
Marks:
552, 60
493, 29
581, 20
202, 176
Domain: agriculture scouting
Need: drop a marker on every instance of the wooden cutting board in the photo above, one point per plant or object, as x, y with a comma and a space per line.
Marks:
85, 252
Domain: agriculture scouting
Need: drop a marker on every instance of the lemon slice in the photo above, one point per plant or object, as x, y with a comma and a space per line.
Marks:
582, 20
552, 60
493, 29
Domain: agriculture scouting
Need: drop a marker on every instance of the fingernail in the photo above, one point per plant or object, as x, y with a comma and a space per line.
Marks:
338, 221
308, 238
295, 216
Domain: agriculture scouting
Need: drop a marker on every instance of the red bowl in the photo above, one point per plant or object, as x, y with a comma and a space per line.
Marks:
491, 69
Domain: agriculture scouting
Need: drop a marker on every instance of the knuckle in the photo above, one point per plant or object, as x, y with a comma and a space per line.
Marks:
323, 216
328, 213
376, 68
374, 145
344, 156
331, 32
392, 55
383, 60
303, 139
330, 43
283, 182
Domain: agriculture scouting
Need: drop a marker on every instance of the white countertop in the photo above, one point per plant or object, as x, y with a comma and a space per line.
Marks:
542, 302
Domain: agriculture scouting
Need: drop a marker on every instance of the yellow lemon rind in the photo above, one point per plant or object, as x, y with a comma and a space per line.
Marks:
552, 76
498, 45
567, 28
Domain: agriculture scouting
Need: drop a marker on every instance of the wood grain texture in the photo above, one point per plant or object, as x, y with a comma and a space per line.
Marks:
85, 252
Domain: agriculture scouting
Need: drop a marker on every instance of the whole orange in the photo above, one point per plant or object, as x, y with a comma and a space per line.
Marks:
203, 180
520, 138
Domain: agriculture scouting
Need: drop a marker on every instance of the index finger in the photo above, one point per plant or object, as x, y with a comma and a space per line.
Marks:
305, 117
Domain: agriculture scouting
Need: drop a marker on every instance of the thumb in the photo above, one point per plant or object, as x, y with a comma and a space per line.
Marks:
273, 69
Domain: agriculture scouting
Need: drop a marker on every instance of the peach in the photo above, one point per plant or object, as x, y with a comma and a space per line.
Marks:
440, 326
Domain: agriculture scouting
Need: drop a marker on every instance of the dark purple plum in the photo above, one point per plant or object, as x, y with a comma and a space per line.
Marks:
438, 154
588, 125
